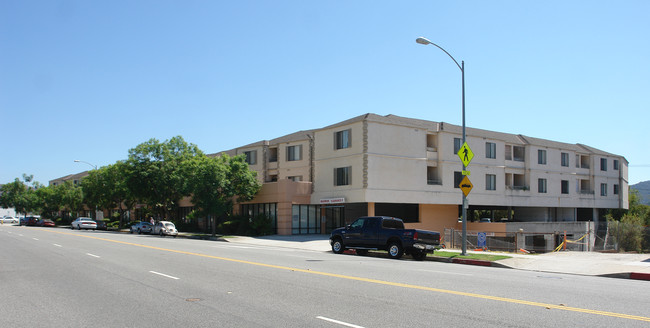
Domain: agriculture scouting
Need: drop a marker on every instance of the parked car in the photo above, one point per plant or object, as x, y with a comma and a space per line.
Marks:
32, 220
101, 225
83, 223
165, 228
45, 223
142, 227
385, 233
26, 219
9, 219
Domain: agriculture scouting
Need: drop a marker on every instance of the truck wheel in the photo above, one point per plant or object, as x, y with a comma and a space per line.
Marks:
395, 250
337, 246
418, 255
362, 252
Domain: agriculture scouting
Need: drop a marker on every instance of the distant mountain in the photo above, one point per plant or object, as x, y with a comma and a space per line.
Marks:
644, 191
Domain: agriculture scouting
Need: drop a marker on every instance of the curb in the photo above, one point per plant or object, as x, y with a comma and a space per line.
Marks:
640, 276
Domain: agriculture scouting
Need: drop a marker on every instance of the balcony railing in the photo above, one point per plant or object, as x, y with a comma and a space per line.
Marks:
517, 187
434, 182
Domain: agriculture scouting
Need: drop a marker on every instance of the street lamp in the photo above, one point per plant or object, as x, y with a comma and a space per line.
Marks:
425, 41
78, 161
95, 167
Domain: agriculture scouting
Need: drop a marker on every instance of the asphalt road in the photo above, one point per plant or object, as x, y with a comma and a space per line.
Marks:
63, 278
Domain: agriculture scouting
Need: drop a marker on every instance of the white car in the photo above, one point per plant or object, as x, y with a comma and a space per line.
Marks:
9, 219
83, 223
164, 228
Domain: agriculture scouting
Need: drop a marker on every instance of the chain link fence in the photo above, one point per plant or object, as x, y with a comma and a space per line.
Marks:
612, 237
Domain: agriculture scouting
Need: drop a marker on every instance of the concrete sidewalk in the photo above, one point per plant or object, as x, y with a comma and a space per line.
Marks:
635, 266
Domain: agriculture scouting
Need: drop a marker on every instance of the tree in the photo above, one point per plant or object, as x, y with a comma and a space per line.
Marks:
13, 195
214, 182
20, 195
107, 187
156, 175
71, 197
51, 201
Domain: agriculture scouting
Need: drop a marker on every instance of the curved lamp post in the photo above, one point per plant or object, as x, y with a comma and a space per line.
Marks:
95, 167
425, 41
78, 161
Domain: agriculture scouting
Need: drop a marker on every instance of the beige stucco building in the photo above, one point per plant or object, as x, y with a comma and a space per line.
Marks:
317, 180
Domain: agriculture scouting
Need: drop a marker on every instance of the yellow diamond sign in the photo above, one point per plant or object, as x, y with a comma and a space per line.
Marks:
466, 185
465, 154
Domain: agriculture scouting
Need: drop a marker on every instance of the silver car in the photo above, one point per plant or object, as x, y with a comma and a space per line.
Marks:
142, 227
9, 219
165, 228
83, 223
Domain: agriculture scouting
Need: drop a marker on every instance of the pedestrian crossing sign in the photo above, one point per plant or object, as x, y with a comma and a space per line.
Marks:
465, 154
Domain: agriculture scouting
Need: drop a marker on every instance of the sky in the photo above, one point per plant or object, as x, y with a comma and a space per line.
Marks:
89, 80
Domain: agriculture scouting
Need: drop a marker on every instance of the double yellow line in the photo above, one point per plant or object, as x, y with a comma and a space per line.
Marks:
382, 282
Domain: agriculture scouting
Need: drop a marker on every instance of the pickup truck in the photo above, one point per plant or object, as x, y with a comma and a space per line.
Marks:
384, 233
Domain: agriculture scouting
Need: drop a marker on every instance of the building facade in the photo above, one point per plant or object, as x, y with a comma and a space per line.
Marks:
317, 180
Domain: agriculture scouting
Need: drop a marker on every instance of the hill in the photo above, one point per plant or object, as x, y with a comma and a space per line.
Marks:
644, 191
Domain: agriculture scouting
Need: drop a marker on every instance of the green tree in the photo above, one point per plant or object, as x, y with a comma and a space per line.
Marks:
156, 175
215, 181
20, 195
50, 200
107, 188
71, 197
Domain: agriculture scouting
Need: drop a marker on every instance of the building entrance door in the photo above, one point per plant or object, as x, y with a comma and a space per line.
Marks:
334, 217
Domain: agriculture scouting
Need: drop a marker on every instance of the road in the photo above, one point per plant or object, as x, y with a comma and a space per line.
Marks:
62, 278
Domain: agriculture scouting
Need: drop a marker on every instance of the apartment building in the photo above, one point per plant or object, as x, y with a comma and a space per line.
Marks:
317, 180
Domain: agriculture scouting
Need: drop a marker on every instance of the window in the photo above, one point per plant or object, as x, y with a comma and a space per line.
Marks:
490, 150
565, 159
458, 142
541, 156
294, 153
296, 178
541, 186
342, 139
565, 186
603, 164
490, 182
603, 189
458, 177
616, 164
251, 157
616, 189
342, 176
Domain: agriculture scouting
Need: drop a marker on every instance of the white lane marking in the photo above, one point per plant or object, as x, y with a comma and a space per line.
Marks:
35, 238
93, 255
164, 275
339, 322
20, 234
57, 245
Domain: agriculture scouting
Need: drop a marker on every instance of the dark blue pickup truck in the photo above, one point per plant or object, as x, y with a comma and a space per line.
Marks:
385, 233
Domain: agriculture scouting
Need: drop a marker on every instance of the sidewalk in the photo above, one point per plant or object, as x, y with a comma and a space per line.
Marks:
634, 266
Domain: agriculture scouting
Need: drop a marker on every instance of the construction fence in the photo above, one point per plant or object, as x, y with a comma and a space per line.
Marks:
615, 237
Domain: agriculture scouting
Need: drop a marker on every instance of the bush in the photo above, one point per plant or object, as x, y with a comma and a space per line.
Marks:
628, 233
259, 225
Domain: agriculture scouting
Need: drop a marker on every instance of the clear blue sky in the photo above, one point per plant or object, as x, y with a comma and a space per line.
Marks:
89, 80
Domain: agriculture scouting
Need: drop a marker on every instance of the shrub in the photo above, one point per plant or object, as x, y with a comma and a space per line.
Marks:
628, 233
